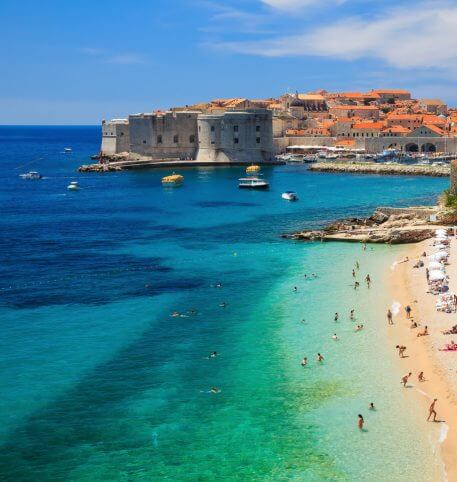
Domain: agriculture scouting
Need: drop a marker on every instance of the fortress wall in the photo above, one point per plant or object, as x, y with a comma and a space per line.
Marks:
115, 137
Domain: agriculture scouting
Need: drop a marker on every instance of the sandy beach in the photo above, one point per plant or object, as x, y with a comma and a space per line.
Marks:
409, 287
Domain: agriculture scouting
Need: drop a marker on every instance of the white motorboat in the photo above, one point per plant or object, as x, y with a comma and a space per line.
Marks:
289, 196
67, 149
252, 183
31, 175
73, 186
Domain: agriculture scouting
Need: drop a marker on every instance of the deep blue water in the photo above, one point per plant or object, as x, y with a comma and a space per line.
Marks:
99, 382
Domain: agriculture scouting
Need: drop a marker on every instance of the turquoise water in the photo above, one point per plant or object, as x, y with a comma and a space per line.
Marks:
99, 382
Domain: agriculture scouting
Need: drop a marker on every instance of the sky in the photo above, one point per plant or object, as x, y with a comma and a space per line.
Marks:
78, 62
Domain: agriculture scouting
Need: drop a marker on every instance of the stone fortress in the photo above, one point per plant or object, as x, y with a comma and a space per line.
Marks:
241, 131
224, 137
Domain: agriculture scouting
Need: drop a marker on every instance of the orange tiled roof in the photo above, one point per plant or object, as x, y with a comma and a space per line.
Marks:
355, 107
396, 130
391, 91
435, 129
368, 125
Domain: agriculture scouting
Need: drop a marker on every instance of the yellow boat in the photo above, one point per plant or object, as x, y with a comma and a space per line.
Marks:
253, 168
173, 180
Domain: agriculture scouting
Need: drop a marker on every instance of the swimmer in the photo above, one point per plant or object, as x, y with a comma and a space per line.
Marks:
356, 285
336, 317
314, 275
357, 266
319, 358
353, 273
360, 422
351, 315
213, 354
364, 247
304, 362
223, 304
421, 377
334, 337
405, 379
175, 314
368, 280
215, 390
192, 311
303, 321
295, 289
371, 407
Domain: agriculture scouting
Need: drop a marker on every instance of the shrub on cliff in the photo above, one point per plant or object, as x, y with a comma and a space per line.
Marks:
449, 200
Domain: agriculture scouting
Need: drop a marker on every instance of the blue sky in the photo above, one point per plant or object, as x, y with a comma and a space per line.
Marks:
77, 62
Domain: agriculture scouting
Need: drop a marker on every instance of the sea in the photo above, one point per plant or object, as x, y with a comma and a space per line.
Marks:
112, 298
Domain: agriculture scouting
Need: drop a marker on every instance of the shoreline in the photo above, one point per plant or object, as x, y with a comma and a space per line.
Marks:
409, 286
382, 169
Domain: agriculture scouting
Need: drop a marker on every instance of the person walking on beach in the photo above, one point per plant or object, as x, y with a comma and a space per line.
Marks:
368, 280
408, 311
360, 422
401, 350
432, 411
405, 379
427, 274
421, 377
336, 317
389, 317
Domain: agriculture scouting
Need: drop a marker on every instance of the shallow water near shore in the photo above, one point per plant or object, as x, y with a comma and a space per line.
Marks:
99, 382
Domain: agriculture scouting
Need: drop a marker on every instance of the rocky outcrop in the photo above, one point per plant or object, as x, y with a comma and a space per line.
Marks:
99, 168
378, 168
378, 228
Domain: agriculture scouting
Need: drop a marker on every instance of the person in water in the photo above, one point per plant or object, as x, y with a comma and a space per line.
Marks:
432, 411
357, 266
336, 317
295, 289
334, 337
215, 390
371, 407
304, 362
360, 422
356, 285
368, 280
353, 273
421, 377
223, 304
351, 315
320, 358
213, 354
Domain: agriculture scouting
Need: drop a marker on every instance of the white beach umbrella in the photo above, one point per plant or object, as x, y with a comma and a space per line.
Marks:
440, 246
440, 255
436, 275
434, 265
440, 231
441, 236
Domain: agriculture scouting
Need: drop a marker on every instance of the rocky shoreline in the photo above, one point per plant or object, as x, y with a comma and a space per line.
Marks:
385, 225
378, 168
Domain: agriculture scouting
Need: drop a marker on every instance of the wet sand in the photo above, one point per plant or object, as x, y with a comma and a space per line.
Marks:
409, 286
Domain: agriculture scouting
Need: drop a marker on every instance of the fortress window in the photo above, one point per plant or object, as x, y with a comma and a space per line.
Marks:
159, 139
235, 140
144, 142
212, 128
192, 139
258, 140
175, 139
257, 128
212, 142
122, 133
235, 128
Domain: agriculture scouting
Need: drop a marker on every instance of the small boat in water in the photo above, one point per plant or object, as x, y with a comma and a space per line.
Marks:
73, 186
289, 196
252, 183
67, 149
33, 175
173, 180
252, 169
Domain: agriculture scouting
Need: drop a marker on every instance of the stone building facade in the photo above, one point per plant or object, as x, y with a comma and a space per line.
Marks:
226, 136
235, 137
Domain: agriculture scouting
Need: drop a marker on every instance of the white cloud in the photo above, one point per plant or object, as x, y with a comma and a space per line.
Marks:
420, 37
297, 4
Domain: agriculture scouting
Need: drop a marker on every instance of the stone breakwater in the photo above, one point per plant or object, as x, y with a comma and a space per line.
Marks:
380, 227
386, 169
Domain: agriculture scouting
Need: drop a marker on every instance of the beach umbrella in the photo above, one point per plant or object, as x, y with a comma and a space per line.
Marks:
434, 265
436, 275
440, 255
440, 231
440, 246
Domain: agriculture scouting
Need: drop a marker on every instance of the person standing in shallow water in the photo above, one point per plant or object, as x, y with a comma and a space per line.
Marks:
432, 411
368, 280
360, 422
389, 317
336, 317
408, 311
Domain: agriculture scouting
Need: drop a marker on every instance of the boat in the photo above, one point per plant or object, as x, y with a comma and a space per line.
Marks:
31, 175
173, 180
252, 169
73, 186
67, 149
252, 183
289, 196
